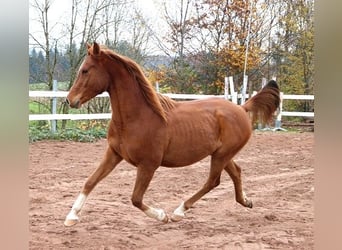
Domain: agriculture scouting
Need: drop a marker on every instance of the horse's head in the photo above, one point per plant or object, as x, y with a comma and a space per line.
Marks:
92, 78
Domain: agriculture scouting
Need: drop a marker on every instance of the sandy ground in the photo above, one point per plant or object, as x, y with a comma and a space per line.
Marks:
278, 175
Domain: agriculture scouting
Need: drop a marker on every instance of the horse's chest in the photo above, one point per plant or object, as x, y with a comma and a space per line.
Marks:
116, 143
122, 150
132, 153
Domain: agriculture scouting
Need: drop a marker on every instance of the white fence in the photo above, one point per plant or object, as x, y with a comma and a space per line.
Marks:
234, 98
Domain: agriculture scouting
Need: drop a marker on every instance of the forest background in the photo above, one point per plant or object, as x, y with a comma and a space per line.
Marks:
187, 46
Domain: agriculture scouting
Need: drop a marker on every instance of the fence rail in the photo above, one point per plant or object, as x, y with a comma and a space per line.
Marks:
63, 94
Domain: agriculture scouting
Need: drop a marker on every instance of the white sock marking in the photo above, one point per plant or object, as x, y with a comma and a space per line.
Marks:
76, 208
155, 213
180, 211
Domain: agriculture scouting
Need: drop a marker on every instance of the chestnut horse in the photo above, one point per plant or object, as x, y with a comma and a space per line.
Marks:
149, 130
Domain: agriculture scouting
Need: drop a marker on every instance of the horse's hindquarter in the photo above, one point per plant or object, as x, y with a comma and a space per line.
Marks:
197, 129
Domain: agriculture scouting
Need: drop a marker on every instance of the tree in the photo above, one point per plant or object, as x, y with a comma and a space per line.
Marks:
181, 76
206, 40
89, 12
132, 20
180, 26
37, 69
226, 25
49, 44
293, 49
210, 38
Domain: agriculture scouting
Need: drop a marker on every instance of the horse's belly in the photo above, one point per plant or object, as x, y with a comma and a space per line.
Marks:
182, 153
181, 161
192, 135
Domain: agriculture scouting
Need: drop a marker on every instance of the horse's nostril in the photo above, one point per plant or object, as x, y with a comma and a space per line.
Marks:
73, 104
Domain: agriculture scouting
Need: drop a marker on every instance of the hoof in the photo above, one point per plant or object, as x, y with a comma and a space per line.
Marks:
69, 223
249, 203
166, 219
179, 213
177, 217
71, 219
162, 216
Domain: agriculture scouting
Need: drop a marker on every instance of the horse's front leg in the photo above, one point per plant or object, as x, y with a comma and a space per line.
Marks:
143, 179
108, 163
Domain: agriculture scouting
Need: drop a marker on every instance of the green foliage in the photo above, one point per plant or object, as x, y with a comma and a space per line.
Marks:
38, 63
280, 45
82, 131
37, 133
42, 86
181, 78
36, 107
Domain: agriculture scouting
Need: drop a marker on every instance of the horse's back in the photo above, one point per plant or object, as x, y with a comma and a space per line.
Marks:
197, 129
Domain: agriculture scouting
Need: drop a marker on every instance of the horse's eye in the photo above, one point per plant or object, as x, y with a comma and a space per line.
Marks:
84, 71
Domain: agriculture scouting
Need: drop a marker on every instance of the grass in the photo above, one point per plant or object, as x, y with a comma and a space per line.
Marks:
69, 134
82, 131
62, 86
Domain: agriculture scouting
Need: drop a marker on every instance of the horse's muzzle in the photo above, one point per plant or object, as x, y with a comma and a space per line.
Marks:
75, 104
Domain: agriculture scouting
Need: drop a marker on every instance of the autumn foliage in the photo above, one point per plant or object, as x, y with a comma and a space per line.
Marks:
209, 39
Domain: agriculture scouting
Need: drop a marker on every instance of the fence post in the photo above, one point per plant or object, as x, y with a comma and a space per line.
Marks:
157, 87
263, 82
54, 107
244, 89
232, 92
277, 125
226, 97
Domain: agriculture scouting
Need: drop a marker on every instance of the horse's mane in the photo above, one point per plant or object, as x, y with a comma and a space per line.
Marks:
160, 104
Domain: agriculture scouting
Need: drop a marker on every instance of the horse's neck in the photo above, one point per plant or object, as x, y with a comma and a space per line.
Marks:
127, 100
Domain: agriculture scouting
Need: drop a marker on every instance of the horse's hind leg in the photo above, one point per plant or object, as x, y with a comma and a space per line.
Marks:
234, 172
110, 160
213, 181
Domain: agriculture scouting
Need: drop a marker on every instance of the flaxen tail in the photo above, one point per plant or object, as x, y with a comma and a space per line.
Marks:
264, 104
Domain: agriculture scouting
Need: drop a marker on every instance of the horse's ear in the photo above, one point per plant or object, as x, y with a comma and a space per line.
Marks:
96, 49
88, 46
